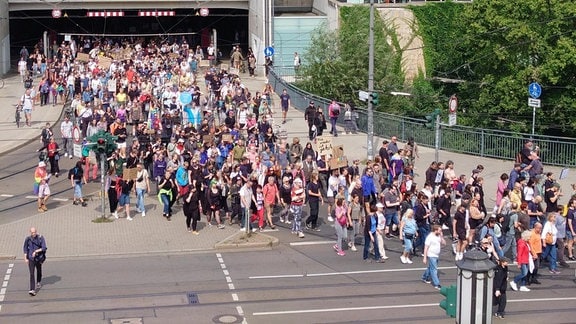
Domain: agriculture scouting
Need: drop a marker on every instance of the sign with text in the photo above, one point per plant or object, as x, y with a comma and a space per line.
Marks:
324, 145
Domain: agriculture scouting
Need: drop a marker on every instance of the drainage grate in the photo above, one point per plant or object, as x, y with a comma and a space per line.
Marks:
193, 298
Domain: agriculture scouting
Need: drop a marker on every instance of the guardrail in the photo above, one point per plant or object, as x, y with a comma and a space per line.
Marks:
492, 143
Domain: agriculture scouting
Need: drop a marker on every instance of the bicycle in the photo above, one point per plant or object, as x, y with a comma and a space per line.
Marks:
17, 116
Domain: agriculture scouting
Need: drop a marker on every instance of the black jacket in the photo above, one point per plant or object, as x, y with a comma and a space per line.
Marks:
500, 278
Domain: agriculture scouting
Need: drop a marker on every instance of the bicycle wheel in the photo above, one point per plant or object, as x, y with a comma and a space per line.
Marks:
1, 83
17, 117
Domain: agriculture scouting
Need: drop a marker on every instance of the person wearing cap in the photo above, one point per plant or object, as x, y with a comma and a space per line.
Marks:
297, 196
41, 178
499, 286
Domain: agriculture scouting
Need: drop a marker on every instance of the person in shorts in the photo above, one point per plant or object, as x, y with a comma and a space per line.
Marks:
459, 230
285, 104
41, 178
76, 176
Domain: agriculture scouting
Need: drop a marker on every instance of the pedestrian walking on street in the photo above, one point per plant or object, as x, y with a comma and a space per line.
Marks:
76, 176
191, 209
500, 285
27, 103
34, 256
124, 199
370, 224
432, 247
142, 188
66, 128
110, 185
297, 195
41, 187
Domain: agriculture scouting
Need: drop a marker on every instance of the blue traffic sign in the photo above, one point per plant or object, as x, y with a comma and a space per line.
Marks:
269, 51
535, 90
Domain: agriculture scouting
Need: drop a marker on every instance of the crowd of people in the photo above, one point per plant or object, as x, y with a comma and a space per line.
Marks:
214, 149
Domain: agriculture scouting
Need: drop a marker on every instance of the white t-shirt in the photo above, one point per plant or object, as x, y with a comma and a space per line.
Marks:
434, 243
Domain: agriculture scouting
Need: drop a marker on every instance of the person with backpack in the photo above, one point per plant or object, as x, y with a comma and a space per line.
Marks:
333, 113
76, 176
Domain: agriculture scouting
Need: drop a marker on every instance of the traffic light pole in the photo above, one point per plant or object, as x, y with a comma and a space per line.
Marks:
102, 184
370, 117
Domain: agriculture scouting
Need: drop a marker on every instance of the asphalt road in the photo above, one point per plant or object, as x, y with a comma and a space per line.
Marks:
302, 282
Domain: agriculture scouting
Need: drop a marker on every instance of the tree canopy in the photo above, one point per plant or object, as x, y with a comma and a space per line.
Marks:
496, 48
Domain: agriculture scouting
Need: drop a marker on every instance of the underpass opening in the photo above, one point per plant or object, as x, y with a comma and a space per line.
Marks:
231, 25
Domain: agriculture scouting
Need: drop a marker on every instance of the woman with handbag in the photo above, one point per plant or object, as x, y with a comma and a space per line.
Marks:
549, 236
340, 225
408, 232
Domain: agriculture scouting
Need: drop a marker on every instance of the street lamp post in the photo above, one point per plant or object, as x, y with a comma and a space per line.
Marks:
370, 121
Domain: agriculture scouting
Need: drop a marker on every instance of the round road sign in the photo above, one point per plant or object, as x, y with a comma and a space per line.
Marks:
56, 13
76, 135
453, 104
204, 12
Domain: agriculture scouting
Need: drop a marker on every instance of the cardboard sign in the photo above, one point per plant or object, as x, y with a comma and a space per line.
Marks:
224, 67
130, 174
82, 57
208, 138
204, 63
227, 138
104, 62
324, 145
338, 159
337, 163
338, 151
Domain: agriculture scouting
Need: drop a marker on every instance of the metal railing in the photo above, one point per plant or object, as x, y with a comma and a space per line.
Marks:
491, 143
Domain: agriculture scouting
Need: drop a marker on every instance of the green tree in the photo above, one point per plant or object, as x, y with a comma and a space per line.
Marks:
337, 61
499, 47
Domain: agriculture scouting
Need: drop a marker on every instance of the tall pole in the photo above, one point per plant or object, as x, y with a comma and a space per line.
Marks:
437, 139
102, 184
370, 120
533, 119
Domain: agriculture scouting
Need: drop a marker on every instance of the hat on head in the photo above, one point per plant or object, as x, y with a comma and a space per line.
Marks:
180, 140
379, 205
41, 164
297, 180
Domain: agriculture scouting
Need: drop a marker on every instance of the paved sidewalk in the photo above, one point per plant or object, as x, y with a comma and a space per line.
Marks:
11, 137
70, 232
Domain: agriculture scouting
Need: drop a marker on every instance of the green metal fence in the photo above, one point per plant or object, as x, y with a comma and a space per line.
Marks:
560, 151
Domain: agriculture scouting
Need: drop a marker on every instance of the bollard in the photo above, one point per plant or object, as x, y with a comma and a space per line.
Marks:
474, 288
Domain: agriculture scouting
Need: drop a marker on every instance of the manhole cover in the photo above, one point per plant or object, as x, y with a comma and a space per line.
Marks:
227, 319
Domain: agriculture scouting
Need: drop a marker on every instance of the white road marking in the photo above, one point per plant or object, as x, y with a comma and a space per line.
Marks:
344, 309
6, 195
311, 243
60, 199
323, 274
31, 197
322, 310
5, 284
276, 277
230, 285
